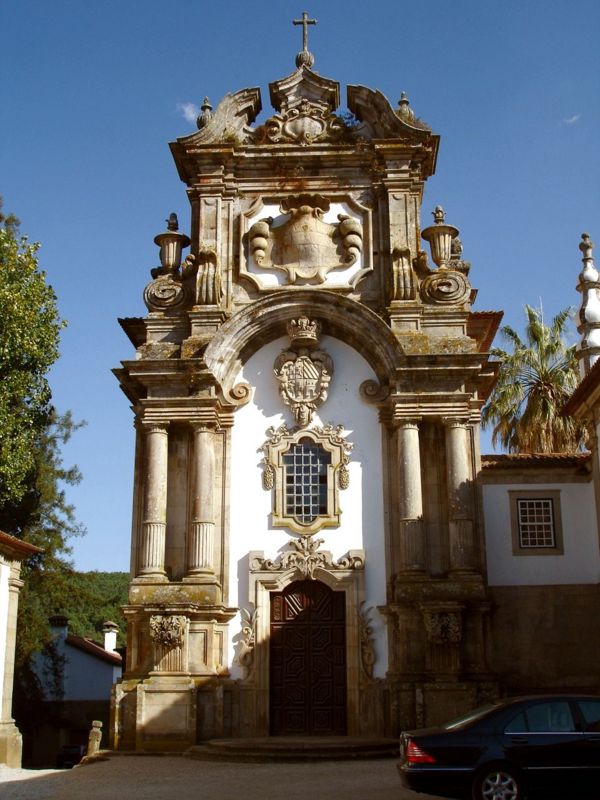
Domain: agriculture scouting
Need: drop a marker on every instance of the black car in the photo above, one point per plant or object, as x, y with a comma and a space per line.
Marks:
509, 750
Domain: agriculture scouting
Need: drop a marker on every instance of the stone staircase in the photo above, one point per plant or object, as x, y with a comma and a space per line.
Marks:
290, 749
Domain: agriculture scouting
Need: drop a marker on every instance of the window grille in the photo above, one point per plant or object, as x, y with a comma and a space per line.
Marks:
536, 523
305, 466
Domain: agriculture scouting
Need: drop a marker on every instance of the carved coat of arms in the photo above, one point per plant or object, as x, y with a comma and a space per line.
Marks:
305, 246
303, 373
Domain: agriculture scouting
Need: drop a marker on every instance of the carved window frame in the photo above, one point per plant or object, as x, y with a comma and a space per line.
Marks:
280, 444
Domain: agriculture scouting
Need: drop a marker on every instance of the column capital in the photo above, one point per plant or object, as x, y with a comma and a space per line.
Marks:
203, 425
147, 426
455, 422
406, 422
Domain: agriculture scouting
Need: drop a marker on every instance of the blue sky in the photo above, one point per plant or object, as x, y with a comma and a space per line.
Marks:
93, 92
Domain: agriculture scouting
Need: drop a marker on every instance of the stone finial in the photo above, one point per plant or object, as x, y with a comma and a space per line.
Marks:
304, 57
170, 243
404, 111
440, 238
205, 117
588, 318
439, 215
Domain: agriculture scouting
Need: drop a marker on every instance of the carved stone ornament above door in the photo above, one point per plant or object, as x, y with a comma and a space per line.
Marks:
304, 246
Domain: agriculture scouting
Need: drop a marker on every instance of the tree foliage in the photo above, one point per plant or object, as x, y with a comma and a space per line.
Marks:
44, 518
29, 332
535, 380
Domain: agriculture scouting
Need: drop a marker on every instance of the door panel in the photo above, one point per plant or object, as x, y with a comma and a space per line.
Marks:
308, 660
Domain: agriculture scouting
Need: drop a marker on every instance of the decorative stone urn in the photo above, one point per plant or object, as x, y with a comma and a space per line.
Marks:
440, 238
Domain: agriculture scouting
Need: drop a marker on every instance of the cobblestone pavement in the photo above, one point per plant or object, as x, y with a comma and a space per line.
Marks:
173, 778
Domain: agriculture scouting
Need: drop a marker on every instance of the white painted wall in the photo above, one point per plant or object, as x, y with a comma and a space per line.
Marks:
4, 574
580, 562
361, 504
86, 677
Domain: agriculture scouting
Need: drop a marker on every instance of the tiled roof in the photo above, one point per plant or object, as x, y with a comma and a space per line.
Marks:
94, 649
23, 549
534, 460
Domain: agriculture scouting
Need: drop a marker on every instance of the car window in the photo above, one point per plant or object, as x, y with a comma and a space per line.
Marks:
517, 725
552, 717
590, 710
473, 716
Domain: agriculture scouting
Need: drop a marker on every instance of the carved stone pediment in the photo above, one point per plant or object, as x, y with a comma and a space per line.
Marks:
304, 84
306, 247
374, 110
305, 556
230, 122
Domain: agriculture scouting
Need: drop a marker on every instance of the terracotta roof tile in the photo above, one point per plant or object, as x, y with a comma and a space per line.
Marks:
534, 460
24, 549
94, 649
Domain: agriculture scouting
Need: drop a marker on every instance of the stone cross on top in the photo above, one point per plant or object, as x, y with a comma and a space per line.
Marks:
304, 57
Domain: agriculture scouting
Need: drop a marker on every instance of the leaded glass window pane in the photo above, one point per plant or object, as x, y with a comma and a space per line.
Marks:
305, 466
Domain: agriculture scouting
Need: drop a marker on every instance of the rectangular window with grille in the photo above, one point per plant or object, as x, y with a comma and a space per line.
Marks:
536, 522
305, 467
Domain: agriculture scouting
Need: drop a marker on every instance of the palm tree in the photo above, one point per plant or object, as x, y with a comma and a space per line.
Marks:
534, 382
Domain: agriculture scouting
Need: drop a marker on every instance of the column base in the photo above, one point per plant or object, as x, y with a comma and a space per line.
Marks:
201, 576
151, 577
11, 744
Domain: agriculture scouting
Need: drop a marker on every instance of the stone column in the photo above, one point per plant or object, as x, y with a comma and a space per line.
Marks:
201, 539
410, 497
154, 520
460, 496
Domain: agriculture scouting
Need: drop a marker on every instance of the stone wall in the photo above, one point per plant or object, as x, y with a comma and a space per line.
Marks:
546, 638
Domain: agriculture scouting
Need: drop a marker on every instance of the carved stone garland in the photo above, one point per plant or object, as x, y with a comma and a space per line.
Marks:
303, 372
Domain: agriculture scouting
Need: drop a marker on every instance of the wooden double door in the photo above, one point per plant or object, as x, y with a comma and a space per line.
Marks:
308, 660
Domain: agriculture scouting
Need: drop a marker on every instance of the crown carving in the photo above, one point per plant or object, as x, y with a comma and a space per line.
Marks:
303, 332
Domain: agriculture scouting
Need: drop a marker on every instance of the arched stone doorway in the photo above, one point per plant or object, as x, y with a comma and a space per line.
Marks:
307, 660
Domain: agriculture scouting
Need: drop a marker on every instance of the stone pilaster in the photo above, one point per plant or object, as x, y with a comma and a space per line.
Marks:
10, 738
410, 497
154, 520
201, 537
460, 496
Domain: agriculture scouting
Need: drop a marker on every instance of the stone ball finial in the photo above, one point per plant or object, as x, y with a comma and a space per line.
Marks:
172, 222
304, 59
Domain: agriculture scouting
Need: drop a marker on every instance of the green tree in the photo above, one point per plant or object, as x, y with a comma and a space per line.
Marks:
29, 332
44, 517
535, 380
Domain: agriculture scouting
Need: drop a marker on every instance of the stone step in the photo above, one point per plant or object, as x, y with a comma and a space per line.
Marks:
288, 749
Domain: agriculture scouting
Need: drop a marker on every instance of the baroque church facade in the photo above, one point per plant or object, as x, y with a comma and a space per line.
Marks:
308, 548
